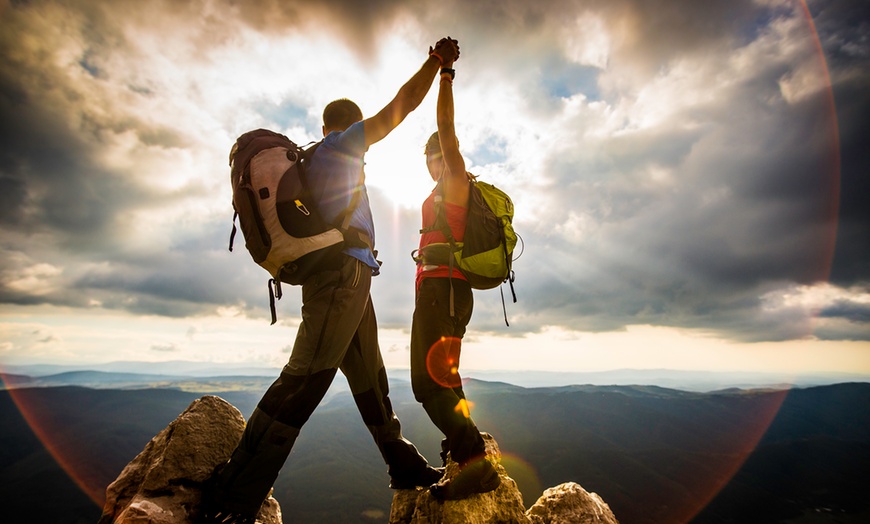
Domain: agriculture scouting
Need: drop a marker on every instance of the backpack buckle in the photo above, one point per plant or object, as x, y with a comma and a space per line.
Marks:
301, 207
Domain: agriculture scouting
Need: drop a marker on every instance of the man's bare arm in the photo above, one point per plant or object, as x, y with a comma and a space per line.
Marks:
410, 95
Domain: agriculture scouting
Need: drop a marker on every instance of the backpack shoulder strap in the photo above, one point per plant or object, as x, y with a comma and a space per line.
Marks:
354, 201
353, 237
440, 223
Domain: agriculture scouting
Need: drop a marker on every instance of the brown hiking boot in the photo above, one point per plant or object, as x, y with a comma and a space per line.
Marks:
476, 477
422, 478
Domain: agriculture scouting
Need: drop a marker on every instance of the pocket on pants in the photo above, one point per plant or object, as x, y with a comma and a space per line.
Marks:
353, 274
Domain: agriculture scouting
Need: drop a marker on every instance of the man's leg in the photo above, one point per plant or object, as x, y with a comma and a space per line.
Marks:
333, 303
364, 368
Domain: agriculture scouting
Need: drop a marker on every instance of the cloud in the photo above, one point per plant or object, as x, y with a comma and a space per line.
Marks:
703, 199
672, 162
165, 348
842, 27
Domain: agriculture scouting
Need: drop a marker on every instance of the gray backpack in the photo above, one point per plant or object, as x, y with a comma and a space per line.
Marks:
281, 224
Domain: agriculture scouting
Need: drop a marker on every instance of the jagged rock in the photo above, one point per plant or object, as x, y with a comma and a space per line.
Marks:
569, 503
566, 503
163, 484
504, 505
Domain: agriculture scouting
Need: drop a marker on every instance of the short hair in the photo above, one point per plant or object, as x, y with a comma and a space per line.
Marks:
340, 114
433, 145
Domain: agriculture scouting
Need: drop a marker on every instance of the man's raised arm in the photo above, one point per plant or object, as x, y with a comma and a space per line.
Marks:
411, 94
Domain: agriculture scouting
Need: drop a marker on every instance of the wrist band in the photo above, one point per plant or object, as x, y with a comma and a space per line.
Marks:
436, 55
448, 71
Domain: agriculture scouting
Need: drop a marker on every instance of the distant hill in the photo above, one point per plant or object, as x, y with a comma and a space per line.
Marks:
8, 380
115, 380
654, 454
668, 378
171, 367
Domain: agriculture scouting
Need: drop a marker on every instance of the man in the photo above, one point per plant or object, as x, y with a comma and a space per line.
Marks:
338, 329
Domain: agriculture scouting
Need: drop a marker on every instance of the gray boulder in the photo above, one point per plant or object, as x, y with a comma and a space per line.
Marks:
163, 484
569, 503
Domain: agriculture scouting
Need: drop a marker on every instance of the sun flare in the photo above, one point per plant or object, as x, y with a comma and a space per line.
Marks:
396, 167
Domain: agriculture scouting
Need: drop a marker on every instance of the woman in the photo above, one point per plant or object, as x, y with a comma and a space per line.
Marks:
443, 309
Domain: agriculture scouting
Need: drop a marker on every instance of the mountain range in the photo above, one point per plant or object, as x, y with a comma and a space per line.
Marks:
654, 454
691, 380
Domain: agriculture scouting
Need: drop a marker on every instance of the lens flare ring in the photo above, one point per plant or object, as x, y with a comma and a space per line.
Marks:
442, 362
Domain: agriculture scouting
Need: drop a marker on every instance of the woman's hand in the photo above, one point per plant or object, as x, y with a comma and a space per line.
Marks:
447, 50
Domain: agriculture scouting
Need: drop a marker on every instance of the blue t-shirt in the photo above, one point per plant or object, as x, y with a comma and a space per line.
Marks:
333, 176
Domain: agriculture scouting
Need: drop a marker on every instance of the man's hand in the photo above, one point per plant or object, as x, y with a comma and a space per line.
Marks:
448, 49
411, 94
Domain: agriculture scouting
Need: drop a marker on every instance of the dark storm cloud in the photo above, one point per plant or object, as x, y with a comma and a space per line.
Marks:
61, 205
649, 34
51, 187
843, 29
750, 208
356, 18
50, 138
859, 313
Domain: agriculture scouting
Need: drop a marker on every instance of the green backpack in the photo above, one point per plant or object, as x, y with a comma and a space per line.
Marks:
485, 256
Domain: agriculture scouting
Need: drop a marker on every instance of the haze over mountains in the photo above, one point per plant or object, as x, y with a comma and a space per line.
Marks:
654, 454
146, 372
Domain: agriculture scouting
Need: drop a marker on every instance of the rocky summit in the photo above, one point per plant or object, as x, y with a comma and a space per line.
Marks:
163, 484
563, 504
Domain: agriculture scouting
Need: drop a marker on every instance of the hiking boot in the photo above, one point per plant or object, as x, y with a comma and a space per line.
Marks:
213, 513
421, 478
476, 477
212, 510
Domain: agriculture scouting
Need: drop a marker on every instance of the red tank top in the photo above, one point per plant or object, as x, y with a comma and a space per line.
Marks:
456, 217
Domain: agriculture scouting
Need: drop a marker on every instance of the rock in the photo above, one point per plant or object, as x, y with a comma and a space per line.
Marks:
163, 484
566, 503
504, 505
569, 503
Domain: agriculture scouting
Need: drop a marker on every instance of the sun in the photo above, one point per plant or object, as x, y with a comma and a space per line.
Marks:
396, 167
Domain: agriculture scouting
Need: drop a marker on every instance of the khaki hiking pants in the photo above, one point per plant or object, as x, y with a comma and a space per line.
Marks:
338, 331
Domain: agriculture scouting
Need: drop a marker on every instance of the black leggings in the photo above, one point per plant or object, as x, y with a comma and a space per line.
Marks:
435, 350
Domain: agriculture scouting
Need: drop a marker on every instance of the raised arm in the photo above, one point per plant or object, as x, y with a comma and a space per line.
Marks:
411, 94
455, 179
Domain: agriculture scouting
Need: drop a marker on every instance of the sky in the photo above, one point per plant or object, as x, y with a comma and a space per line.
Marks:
689, 177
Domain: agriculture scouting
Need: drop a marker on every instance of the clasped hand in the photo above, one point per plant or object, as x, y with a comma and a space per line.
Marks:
448, 49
